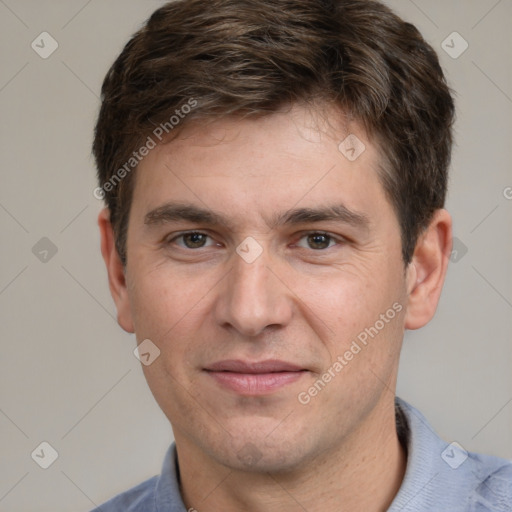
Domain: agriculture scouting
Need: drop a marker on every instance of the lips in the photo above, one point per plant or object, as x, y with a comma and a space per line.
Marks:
258, 367
254, 378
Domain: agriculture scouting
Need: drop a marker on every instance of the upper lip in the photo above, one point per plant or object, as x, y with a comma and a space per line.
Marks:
267, 366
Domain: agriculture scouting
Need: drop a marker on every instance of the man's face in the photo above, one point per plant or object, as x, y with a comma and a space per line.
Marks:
257, 255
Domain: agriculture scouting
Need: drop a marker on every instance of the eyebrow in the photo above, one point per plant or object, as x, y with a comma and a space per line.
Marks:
175, 212
337, 213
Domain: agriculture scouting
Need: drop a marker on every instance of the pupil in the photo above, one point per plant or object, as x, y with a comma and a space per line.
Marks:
195, 240
318, 241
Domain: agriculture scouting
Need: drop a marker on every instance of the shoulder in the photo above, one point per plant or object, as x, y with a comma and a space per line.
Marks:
154, 495
494, 484
137, 499
444, 476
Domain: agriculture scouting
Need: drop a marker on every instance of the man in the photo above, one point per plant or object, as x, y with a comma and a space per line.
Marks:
275, 174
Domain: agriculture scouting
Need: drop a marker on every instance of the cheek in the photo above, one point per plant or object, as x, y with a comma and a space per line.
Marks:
347, 297
169, 311
347, 307
163, 301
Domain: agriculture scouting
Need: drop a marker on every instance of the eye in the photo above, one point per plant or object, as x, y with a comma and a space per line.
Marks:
192, 240
316, 241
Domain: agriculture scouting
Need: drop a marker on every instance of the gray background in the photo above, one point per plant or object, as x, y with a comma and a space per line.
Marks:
68, 375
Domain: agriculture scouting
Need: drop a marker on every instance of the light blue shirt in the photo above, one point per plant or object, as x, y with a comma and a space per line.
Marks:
440, 477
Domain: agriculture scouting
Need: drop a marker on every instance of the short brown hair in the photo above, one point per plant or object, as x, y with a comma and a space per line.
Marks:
252, 57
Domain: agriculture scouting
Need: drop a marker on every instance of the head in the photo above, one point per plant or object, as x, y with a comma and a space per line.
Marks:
239, 226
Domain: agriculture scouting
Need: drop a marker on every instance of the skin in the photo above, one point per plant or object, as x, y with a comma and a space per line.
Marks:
300, 301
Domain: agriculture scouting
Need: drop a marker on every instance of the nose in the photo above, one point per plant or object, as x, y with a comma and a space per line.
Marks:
253, 298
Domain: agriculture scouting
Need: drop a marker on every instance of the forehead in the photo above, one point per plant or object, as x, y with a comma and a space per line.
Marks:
297, 134
260, 166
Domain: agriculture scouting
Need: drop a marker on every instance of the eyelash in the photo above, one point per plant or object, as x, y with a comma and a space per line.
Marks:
187, 233
332, 238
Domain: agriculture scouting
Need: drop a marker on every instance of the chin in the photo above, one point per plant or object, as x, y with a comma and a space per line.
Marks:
252, 459
263, 454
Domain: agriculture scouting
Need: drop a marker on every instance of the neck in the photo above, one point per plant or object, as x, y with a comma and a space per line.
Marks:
364, 473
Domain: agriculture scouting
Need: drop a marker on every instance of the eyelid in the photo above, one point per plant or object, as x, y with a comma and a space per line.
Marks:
169, 239
336, 238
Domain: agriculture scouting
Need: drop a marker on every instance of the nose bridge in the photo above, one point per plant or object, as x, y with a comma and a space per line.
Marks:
253, 298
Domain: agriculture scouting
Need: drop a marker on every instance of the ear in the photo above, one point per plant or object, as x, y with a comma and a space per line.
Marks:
427, 270
116, 271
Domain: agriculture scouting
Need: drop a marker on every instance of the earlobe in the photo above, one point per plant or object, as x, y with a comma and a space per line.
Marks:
116, 272
427, 270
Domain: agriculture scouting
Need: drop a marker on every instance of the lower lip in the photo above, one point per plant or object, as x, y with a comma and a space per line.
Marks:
255, 383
